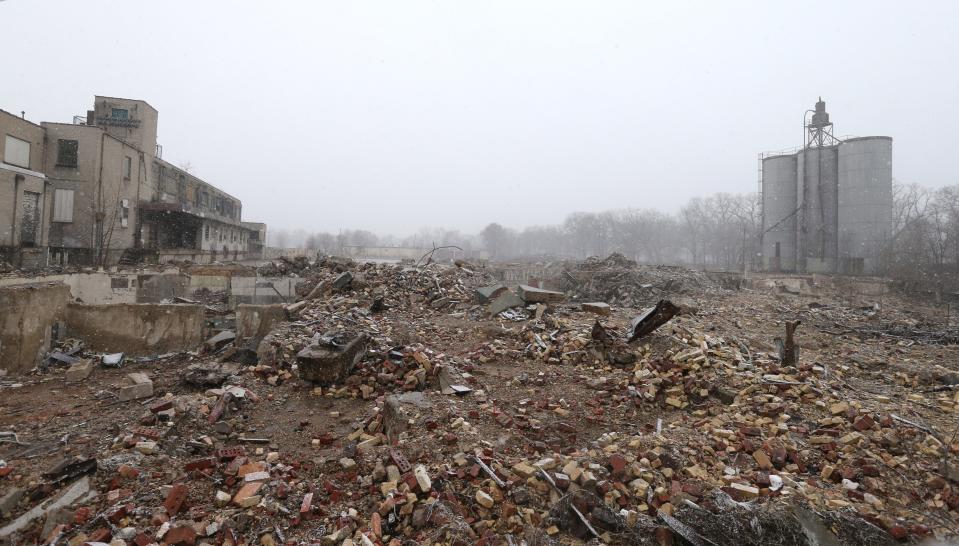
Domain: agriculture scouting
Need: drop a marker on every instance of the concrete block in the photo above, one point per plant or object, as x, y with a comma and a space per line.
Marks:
327, 365
343, 280
79, 371
258, 320
506, 300
486, 294
141, 387
597, 308
218, 341
538, 295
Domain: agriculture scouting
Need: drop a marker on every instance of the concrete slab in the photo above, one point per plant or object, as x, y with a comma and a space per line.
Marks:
79, 371
538, 295
328, 365
506, 300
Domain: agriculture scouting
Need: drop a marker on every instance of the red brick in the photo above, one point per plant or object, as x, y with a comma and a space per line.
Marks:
248, 490
898, 532
863, 423
183, 535
230, 452
115, 516
147, 432
234, 466
175, 498
161, 405
81, 515
617, 462
200, 464
128, 471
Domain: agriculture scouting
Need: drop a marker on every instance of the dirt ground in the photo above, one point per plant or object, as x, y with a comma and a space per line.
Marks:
695, 434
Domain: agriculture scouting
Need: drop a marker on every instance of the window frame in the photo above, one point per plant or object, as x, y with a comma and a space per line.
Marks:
61, 155
114, 111
58, 215
124, 213
6, 150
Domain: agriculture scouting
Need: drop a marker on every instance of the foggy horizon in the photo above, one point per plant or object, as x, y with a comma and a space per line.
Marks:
394, 117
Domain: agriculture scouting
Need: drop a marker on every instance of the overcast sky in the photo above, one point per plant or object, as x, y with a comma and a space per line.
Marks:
396, 115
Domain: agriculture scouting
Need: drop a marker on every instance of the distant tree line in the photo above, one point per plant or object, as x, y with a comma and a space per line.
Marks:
721, 231
924, 246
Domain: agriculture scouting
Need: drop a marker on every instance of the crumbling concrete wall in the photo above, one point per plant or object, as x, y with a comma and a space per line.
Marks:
154, 288
263, 290
106, 288
257, 320
136, 329
27, 315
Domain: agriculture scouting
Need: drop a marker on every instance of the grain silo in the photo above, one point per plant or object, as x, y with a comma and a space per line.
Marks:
779, 203
827, 207
865, 202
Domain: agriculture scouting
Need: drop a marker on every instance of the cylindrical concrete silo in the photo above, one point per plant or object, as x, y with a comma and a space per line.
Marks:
865, 202
818, 222
779, 212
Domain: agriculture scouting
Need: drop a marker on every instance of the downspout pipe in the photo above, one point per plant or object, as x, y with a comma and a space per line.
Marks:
16, 201
99, 214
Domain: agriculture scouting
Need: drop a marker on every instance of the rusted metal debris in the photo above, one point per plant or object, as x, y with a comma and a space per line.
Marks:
651, 319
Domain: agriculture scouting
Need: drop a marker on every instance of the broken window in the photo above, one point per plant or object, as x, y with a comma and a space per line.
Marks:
124, 213
63, 205
16, 152
120, 113
127, 167
67, 152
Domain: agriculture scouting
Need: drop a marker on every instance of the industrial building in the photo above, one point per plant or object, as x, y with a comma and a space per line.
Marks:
97, 192
827, 206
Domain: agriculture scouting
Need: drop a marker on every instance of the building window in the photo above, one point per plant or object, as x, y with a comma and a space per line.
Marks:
16, 152
206, 232
124, 213
63, 205
127, 167
67, 153
119, 113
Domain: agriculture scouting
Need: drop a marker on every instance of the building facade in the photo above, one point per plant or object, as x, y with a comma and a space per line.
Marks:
97, 192
24, 193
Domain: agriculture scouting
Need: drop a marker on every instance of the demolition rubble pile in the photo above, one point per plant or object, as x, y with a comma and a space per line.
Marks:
397, 407
618, 280
284, 266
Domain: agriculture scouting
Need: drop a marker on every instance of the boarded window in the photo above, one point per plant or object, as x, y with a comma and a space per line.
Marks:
30, 224
63, 206
16, 152
119, 282
67, 152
